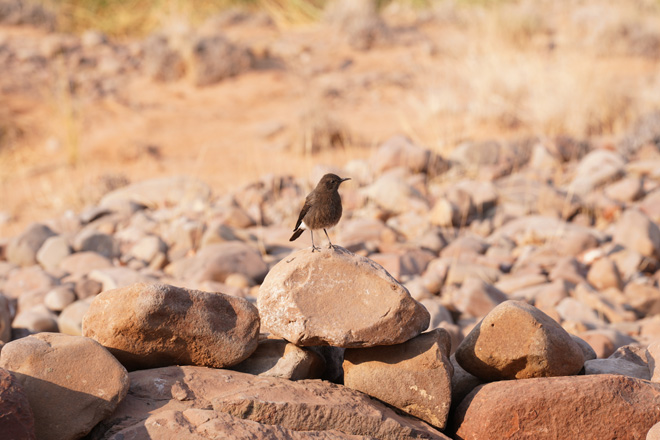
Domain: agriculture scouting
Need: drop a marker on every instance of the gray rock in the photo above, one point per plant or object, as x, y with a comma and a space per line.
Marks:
53, 251
22, 249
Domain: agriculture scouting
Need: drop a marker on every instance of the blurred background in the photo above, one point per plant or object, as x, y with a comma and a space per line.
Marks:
97, 94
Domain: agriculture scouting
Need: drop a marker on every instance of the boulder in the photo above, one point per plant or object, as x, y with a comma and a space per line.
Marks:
616, 366
148, 325
71, 382
517, 341
636, 231
205, 397
414, 376
335, 297
598, 406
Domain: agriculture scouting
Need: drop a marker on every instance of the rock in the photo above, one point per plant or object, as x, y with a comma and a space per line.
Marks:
58, 298
605, 341
186, 193
82, 263
72, 382
147, 248
616, 366
334, 362
604, 406
516, 341
462, 383
17, 421
392, 193
400, 151
70, 320
458, 272
653, 356
654, 432
651, 206
279, 358
86, 288
587, 351
625, 190
314, 406
34, 320
147, 326
603, 274
27, 279
22, 249
570, 309
116, 277
5, 319
52, 252
634, 353
437, 311
92, 241
476, 298
337, 298
414, 376
215, 58
595, 169
536, 228
217, 261
603, 306
636, 231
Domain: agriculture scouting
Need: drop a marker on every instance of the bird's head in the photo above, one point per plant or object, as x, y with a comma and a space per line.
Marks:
331, 181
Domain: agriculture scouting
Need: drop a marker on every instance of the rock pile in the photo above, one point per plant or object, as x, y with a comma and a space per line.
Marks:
521, 302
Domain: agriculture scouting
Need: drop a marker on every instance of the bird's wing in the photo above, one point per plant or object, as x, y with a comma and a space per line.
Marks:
303, 212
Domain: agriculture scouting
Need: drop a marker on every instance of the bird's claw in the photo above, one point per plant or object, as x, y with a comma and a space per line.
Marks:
316, 248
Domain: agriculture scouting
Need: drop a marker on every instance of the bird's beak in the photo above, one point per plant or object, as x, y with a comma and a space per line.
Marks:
345, 179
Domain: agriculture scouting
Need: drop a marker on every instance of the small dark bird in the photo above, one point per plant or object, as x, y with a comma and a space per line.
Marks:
322, 209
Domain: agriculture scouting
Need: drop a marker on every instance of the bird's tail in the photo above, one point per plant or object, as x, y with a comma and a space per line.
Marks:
297, 233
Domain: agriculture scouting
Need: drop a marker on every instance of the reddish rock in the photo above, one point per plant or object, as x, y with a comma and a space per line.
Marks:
204, 395
27, 279
22, 249
72, 382
147, 326
603, 274
636, 231
599, 407
516, 341
82, 263
477, 298
70, 320
16, 417
414, 376
335, 297
279, 358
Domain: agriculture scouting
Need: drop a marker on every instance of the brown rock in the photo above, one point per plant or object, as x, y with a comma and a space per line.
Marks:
516, 340
216, 261
279, 358
22, 249
643, 297
16, 417
477, 298
414, 376
53, 251
70, 320
82, 263
337, 298
116, 277
653, 356
34, 320
58, 298
636, 231
598, 406
72, 382
605, 341
307, 405
157, 325
654, 432
27, 279
587, 351
603, 274
625, 190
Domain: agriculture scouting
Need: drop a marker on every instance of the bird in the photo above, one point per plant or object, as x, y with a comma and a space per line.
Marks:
322, 209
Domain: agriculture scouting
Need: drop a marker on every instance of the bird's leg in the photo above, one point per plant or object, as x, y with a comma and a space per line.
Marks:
330, 246
314, 248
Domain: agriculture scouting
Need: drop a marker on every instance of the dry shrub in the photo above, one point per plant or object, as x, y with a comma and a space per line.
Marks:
319, 130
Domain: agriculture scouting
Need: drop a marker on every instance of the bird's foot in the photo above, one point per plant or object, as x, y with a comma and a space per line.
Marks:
332, 246
316, 248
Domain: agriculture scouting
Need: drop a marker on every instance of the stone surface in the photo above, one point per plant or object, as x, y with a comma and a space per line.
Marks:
59, 298
279, 358
636, 231
53, 251
71, 382
616, 366
70, 319
204, 394
148, 326
22, 249
82, 263
477, 298
596, 168
604, 406
5, 319
335, 297
16, 417
414, 376
603, 274
516, 341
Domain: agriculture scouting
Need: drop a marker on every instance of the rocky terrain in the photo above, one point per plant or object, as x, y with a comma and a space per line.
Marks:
523, 302
505, 287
